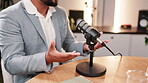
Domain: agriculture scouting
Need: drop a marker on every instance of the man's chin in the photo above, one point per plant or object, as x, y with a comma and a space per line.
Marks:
50, 3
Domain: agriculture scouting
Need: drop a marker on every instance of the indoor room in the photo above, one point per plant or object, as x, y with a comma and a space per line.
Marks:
118, 27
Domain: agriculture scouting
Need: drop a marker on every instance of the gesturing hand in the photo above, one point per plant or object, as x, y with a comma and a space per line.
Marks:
53, 55
97, 46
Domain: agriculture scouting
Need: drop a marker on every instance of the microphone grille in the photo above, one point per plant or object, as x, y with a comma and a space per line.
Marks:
79, 22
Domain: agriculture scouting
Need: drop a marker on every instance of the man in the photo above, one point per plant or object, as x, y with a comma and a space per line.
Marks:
32, 33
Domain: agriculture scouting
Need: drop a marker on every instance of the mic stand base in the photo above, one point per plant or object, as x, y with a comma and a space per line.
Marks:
94, 71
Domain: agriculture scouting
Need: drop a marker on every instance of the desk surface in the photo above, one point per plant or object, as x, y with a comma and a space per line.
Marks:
116, 70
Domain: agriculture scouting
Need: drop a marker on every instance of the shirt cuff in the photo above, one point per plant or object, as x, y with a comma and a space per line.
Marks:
49, 67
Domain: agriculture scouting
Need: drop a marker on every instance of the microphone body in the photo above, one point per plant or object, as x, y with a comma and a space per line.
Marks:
87, 29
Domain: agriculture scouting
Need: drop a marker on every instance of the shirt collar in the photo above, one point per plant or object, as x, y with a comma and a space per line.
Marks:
31, 9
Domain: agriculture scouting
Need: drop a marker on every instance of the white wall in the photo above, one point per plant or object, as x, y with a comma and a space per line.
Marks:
109, 6
105, 12
130, 11
100, 13
72, 5
78, 5
104, 16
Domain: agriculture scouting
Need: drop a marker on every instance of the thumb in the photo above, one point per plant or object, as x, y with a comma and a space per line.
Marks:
52, 46
101, 33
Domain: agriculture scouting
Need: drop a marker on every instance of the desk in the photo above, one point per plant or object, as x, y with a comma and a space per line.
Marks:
116, 70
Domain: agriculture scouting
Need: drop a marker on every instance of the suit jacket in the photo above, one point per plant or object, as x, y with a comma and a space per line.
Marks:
22, 41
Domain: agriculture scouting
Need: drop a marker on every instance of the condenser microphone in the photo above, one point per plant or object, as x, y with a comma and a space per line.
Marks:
87, 29
92, 37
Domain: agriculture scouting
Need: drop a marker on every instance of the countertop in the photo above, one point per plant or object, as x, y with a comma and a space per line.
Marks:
111, 30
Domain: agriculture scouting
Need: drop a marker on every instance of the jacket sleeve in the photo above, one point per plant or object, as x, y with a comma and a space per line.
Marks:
70, 43
12, 49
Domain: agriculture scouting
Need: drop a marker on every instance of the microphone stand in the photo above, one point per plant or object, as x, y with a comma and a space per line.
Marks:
90, 69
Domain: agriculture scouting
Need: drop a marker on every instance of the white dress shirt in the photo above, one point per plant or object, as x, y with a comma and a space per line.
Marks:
46, 24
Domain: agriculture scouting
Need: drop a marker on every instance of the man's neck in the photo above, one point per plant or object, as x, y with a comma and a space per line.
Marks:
41, 7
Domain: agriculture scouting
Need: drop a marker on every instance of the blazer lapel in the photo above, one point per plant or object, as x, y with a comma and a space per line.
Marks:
57, 31
35, 21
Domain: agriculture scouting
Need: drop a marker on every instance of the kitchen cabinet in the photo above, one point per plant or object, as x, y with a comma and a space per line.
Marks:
138, 46
126, 44
118, 43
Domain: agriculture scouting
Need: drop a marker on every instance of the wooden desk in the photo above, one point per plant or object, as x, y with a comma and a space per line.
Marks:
116, 70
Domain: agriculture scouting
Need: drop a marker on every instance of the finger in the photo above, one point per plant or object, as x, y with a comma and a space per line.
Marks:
86, 47
52, 46
106, 41
98, 45
74, 52
70, 54
101, 33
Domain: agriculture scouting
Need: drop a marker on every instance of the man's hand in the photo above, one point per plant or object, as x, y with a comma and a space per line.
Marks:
54, 56
97, 46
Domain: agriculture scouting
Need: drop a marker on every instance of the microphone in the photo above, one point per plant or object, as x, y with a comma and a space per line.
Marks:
87, 29
92, 37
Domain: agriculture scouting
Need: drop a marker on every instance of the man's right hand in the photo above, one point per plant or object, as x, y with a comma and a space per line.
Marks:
54, 56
